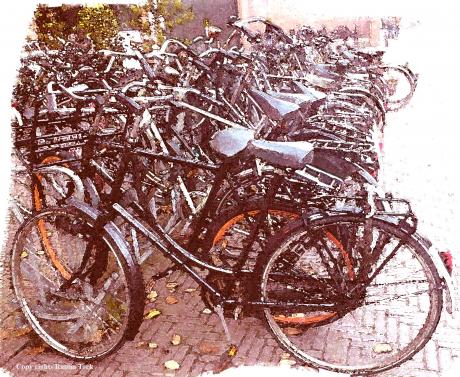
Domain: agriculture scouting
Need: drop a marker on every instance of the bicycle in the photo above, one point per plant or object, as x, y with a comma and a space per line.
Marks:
106, 263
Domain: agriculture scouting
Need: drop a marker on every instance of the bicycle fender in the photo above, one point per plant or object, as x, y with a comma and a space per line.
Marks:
78, 184
448, 283
91, 190
117, 237
110, 227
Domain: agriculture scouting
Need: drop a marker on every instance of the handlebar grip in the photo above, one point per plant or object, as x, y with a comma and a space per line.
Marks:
70, 93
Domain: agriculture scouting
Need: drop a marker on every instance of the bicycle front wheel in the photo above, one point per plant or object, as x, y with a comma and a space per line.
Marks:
382, 293
80, 292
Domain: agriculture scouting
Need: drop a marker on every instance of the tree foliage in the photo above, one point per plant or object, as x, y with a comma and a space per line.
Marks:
99, 23
51, 23
155, 19
174, 13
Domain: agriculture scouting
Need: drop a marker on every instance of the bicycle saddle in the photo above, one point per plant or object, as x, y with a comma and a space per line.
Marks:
276, 109
370, 53
305, 100
292, 154
326, 71
231, 141
289, 154
319, 81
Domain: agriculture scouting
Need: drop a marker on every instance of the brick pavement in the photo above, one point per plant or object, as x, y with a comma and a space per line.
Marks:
202, 343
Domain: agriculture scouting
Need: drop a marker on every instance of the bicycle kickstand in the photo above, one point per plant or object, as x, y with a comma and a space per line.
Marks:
232, 350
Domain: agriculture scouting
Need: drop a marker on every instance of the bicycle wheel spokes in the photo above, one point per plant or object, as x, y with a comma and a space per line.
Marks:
233, 235
377, 324
88, 318
305, 273
400, 87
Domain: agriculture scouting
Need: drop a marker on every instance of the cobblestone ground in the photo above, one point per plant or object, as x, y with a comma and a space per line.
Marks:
202, 342
202, 336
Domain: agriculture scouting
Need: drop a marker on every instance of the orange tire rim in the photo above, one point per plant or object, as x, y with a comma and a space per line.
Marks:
38, 205
291, 320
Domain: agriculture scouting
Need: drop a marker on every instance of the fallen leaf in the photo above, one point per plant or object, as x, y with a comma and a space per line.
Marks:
287, 362
152, 296
176, 339
207, 311
382, 348
285, 355
172, 365
40, 252
152, 313
292, 331
232, 351
24, 254
153, 345
140, 344
36, 350
171, 300
209, 348
171, 286
190, 290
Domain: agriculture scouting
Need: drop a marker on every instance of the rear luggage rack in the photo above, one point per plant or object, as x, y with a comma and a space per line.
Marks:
394, 210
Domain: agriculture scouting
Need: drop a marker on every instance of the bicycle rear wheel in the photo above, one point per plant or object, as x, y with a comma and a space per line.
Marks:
47, 186
90, 317
371, 326
401, 84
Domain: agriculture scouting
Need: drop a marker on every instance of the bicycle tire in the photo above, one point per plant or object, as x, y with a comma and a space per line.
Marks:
321, 340
68, 319
395, 104
222, 229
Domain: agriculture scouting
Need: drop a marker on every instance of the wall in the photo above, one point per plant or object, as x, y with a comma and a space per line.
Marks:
291, 14
216, 11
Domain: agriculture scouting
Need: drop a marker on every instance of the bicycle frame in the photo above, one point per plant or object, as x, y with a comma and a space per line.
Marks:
168, 246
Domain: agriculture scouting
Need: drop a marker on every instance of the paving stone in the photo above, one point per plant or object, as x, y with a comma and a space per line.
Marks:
445, 358
431, 356
11, 347
186, 365
197, 368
